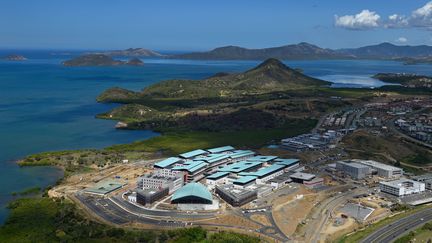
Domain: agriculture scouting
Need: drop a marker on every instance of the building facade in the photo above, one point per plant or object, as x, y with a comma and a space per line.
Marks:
402, 187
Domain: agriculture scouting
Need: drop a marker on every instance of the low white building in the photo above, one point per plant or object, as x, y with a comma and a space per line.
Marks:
402, 187
132, 197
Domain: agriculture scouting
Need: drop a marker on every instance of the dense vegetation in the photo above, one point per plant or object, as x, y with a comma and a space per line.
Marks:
385, 148
404, 79
48, 220
170, 143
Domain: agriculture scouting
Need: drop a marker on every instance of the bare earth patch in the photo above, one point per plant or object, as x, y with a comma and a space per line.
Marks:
261, 219
291, 210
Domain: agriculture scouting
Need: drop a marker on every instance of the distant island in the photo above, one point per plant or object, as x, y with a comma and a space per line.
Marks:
417, 60
405, 79
297, 51
131, 52
307, 51
301, 51
100, 60
15, 58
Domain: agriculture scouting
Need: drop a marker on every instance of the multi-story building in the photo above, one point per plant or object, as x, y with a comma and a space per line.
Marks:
149, 196
402, 187
236, 196
383, 170
355, 170
161, 179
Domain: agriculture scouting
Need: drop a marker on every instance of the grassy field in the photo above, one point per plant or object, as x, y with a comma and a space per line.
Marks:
170, 143
174, 143
46, 220
422, 235
359, 235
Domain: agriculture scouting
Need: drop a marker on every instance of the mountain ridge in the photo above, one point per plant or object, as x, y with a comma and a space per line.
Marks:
301, 50
307, 51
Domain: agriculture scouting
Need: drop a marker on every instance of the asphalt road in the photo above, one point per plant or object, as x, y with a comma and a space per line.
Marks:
400, 227
159, 213
323, 214
112, 213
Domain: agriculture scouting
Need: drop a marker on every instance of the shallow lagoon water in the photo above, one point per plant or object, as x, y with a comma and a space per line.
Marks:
45, 106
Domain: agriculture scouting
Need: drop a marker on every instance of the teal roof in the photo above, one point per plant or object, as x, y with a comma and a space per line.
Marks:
192, 166
167, 162
286, 162
240, 166
263, 158
241, 153
193, 153
192, 189
212, 158
244, 180
264, 171
217, 175
104, 187
221, 149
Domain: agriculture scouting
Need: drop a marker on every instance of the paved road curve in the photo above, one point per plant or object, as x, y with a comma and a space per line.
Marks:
400, 227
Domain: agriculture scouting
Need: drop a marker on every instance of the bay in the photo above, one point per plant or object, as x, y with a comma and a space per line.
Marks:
45, 106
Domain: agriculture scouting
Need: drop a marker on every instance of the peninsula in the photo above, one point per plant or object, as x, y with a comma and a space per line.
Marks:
222, 102
405, 79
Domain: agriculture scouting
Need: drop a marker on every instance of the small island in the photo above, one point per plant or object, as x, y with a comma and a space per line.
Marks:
135, 62
92, 60
15, 58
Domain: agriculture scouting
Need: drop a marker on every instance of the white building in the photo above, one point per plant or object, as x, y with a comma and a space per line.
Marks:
217, 178
132, 197
161, 179
402, 187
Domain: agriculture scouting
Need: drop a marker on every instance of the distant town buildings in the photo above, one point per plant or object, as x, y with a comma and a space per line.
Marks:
310, 141
418, 126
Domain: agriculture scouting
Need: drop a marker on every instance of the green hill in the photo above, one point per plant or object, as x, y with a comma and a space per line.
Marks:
270, 76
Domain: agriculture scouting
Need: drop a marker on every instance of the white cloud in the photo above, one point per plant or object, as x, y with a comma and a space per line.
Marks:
422, 17
396, 21
402, 40
426, 10
364, 20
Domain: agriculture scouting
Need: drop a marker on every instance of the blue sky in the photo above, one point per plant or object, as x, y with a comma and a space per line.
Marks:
202, 25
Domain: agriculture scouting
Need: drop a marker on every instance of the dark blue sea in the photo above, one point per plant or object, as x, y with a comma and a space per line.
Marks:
45, 106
